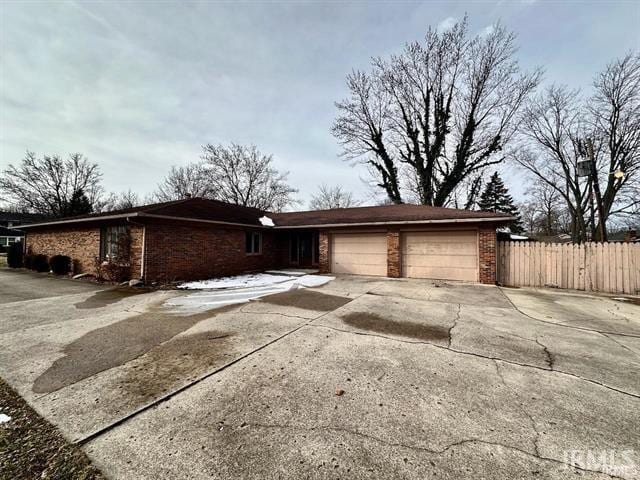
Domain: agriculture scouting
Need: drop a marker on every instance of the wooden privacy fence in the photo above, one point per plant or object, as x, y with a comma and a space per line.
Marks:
596, 267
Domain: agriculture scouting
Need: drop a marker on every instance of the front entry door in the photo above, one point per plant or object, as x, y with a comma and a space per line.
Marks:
304, 249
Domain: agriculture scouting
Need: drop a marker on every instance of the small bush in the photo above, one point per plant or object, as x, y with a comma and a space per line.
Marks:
111, 271
15, 255
40, 263
60, 264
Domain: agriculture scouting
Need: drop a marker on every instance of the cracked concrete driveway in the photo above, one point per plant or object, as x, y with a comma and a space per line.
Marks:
436, 380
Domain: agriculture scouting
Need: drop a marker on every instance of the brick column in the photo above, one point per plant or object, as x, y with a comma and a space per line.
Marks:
393, 254
324, 265
487, 255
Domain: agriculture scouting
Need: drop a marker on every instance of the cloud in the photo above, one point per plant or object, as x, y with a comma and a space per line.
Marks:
446, 24
488, 30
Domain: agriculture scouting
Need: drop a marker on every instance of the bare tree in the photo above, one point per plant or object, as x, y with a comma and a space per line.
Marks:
192, 179
614, 117
52, 186
119, 201
332, 197
558, 124
244, 176
553, 129
544, 211
436, 114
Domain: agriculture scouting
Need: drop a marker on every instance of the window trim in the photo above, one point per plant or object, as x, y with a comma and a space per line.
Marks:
253, 235
104, 240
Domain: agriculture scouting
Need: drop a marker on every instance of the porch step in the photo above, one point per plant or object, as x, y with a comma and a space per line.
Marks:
293, 272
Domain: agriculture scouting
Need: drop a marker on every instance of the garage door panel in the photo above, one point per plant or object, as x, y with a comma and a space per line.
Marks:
359, 254
453, 248
446, 255
461, 261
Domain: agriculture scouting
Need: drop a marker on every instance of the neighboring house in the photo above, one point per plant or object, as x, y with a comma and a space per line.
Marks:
561, 238
8, 233
623, 236
197, 238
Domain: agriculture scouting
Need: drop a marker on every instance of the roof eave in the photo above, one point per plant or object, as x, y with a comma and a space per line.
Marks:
138, 214
401, 222
79, 220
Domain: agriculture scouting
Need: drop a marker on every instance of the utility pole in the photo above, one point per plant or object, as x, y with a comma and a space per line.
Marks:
596, 189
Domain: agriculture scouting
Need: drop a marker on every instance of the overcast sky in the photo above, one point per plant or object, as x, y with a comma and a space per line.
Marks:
140, 86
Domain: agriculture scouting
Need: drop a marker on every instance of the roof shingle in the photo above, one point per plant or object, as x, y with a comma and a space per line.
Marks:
378, 214
217, 211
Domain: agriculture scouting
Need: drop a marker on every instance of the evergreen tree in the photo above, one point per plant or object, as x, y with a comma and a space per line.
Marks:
78, 205
496, 198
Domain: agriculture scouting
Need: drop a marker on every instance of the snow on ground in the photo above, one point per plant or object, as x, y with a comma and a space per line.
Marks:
4, 418
218, 292
255, 280
239, 281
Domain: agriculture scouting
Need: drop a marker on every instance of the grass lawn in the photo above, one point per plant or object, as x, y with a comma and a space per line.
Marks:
30, 447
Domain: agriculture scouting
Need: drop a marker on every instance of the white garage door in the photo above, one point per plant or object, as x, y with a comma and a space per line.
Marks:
451, 255
359, 253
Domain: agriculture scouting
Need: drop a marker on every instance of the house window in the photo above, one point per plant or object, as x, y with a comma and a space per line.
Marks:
114, 243
253, 243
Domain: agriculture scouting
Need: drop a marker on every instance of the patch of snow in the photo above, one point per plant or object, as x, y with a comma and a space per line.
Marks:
518, 237
4, 418
313, 280
238, 281
266, 221
219, 292
620, 299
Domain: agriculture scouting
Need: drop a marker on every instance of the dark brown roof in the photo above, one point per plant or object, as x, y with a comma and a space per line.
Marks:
215, 211
188, 208
380, 214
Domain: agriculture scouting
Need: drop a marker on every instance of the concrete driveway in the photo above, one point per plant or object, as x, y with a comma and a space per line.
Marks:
360, 378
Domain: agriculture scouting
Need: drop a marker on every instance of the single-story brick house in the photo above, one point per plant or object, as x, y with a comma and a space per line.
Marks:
196, 238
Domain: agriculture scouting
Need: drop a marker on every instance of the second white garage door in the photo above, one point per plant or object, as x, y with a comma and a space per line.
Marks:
359, 253
450, 255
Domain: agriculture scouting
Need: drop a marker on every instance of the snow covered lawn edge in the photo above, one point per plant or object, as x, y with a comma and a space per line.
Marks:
218, 292
255, 280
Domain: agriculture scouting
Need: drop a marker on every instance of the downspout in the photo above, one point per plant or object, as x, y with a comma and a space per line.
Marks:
143, 246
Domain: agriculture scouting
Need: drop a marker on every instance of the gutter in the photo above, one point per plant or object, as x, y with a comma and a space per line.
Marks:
126, 216
405, 222
79, 220
277, 227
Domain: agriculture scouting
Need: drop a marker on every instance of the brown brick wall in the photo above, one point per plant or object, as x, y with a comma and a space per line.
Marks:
81, 244
324, 264
190, 252
487, 254
393, 254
